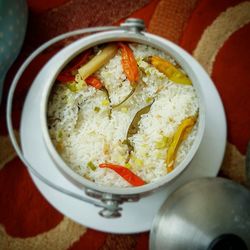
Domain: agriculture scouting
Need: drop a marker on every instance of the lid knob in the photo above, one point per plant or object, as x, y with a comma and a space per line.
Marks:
134, 24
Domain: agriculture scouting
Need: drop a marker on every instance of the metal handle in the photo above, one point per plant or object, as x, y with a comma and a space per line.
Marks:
113, 201
112, 207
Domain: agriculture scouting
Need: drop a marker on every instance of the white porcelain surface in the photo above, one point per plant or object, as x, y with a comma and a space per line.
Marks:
136, 217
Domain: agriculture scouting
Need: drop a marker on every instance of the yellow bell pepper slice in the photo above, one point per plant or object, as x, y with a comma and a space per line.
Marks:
181, 133
168, 69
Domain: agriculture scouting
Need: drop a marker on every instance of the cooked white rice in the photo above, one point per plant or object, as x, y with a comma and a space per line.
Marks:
84, 129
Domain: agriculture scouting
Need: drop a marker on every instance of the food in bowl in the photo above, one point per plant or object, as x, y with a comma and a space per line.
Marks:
123, 114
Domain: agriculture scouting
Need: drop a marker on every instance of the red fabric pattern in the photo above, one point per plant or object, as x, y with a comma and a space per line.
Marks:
40, 6
204, 14
233, 83
23, 211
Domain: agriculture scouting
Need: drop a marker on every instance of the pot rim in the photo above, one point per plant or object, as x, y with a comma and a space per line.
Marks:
68, 53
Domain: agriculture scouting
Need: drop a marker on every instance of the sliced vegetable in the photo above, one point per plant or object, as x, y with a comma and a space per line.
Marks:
60, 134
162, 143
149, 99
138, 162
168, 69
67, 78
105, 102
72, 87
130, 69
97, 109
98, 61
180, 134
107, 94
94, 82
125, 173
80, 60
91, 165
133, 127
67, 75
129, 64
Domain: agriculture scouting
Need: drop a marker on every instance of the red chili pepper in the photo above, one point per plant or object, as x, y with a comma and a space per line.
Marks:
65, 77
94, 81
129, 63
125, 173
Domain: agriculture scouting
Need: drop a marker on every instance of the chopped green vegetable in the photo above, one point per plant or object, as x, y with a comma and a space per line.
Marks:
91, 165
124, 109
60, 134
97, 109
127, 165
147, 72
138, 162
149, 99
160, 155
72, 87
105, 102
162, 143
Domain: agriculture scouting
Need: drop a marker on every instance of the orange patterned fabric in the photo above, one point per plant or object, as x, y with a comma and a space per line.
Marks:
205, 28
170, 17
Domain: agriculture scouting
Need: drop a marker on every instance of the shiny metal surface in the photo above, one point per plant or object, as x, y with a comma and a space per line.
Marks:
208, 213
134, 24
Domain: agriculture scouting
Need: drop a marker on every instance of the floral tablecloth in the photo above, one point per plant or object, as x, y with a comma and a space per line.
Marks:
216, 33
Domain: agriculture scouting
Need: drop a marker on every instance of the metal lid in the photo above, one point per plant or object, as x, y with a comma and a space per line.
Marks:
208, 213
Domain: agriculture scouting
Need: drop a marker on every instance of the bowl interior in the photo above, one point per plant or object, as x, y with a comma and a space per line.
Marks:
69, 52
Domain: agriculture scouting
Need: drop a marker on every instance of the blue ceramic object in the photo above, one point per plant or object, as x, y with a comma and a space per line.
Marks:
13, 22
